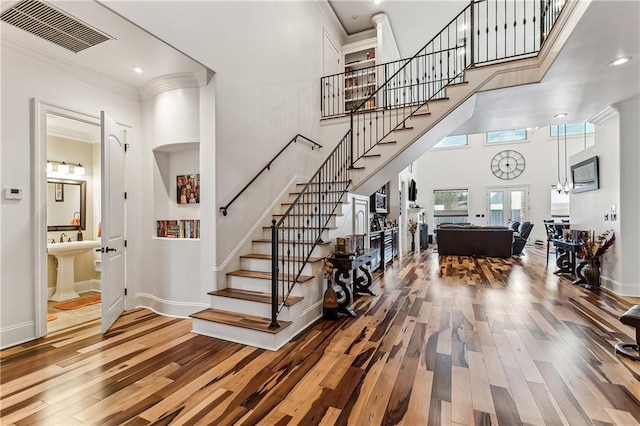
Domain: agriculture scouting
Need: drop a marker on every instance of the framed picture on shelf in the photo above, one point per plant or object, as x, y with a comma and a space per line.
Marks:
188, 189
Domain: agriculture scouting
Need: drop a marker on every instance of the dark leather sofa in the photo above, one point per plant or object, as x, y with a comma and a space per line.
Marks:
472, 240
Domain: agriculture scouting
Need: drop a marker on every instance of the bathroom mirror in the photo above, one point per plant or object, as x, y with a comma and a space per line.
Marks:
66, 204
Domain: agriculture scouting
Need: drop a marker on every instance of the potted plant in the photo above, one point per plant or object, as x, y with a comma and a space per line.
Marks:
591, 249
413, 227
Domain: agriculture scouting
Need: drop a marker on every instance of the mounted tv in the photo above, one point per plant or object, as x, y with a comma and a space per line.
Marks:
413, 191
584, 175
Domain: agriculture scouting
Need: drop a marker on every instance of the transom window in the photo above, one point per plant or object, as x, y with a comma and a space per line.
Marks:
452, 142
575, 129
507, 136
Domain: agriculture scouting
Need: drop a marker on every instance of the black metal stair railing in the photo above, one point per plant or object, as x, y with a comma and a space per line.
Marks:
485, 32
225, 209
296, 234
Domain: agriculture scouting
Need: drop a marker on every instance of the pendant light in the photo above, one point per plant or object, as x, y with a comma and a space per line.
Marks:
566, 187
559, 184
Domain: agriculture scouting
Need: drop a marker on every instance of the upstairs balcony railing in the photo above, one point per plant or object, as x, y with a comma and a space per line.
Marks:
487, 31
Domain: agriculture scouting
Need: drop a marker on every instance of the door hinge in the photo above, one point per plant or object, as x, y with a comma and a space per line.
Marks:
125, 291
126, 147
125, 195
125, 243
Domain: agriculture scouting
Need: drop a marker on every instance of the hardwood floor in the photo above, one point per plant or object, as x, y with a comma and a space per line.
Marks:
450, 340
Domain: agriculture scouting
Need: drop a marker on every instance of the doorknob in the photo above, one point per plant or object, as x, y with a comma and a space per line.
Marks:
109, 249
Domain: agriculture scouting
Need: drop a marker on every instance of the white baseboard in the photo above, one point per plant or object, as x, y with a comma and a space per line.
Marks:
168, 307
620, 289
79, 287
17, 334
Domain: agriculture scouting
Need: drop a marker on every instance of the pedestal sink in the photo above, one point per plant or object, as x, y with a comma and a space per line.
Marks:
66, 253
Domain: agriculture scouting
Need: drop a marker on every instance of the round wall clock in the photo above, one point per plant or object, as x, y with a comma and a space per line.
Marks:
508, 164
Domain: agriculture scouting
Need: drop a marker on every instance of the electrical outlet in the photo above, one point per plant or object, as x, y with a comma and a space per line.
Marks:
606, 217
614, 216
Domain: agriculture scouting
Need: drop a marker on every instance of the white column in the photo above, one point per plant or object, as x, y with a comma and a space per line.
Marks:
629, 209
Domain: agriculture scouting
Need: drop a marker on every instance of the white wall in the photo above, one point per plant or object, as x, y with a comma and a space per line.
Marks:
616, 146
268, 61
469, 167
24, 78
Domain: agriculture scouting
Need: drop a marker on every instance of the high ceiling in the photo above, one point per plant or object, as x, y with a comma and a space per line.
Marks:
579, 83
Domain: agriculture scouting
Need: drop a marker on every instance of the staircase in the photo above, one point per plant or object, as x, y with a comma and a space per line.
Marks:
242, 311
427, 96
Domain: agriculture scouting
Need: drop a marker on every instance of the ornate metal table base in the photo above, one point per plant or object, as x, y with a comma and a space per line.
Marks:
352, 284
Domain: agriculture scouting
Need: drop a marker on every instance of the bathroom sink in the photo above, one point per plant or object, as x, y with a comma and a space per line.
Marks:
66, 253
73, 248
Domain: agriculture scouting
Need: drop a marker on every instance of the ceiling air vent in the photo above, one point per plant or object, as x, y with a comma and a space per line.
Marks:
51, 24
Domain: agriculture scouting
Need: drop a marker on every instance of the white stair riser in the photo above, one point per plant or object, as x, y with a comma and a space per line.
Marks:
326, 207
318, 251
308, 220
292, 234
288, 313
259, 284
245, 336
264, 265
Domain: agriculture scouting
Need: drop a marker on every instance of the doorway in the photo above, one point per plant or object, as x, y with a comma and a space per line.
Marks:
507, 204
67, 143
73, 214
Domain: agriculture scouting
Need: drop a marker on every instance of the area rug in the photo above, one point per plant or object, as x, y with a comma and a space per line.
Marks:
79, 302
51, 317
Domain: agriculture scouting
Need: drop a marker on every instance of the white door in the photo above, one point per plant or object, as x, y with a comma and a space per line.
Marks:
113, 259
505, 205
332, 101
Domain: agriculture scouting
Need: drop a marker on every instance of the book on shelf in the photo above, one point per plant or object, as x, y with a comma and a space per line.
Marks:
185, 229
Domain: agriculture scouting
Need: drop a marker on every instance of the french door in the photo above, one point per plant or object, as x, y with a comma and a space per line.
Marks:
507, 204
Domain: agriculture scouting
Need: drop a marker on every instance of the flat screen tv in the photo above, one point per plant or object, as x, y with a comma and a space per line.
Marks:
413, 191
584, 175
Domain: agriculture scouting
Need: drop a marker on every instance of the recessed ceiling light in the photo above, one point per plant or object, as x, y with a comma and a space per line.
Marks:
377, 1
619, 61
137, 69
562, 114
354, 17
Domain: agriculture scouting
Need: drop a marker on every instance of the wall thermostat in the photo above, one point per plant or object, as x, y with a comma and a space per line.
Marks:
13, 193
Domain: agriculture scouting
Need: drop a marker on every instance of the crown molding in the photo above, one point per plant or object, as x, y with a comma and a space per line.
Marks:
46, 59
166, 83
603, 116
332, 19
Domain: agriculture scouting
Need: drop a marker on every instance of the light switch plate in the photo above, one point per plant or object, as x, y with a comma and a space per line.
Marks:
13, 193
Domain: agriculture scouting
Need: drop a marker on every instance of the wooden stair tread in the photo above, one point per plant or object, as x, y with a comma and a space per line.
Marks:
253, 296
268, 240
266, 275
323, 214
371, 155
421, 113
325, 183
240, 320
268, 257
300, 227
387, 142
400, 129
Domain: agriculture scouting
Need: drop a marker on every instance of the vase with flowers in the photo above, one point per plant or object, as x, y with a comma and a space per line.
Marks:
591, 250
413, 227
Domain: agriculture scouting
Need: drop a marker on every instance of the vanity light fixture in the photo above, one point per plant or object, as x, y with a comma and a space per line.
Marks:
78, 170
49, 166
619, 61
63, 167
137, 69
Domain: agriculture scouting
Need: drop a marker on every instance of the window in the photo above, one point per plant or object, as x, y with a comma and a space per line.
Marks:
452, 142
450, 206
559, 203
507, 136
576, 129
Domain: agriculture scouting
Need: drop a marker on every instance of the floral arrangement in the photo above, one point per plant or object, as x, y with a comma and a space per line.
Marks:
592, 248
413, 226
327, 269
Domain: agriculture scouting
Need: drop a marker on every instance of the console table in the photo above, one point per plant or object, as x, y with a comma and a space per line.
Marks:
346, 267
566, 256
